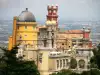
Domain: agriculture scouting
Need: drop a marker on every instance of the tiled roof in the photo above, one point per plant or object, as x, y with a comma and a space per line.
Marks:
73, 32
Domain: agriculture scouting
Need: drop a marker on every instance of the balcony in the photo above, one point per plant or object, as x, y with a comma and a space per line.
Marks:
45, 48
58, 54
30, 48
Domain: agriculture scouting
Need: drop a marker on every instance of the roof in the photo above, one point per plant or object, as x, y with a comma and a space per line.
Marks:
73, 32
26, 16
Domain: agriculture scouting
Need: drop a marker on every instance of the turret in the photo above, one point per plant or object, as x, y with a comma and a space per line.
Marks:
52, 13
52, 25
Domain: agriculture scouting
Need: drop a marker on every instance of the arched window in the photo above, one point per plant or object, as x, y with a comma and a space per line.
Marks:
25, 27
20, 37
45, 42
81, 63
57, 64
60, 63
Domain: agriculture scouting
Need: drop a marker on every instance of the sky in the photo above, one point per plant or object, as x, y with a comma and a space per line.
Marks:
77, 10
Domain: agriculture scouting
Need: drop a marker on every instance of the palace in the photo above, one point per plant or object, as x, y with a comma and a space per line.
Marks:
49, 46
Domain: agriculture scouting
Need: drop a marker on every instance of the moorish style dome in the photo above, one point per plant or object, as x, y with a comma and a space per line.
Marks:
26, 16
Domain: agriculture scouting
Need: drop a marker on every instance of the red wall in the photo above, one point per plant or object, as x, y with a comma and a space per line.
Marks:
86, 35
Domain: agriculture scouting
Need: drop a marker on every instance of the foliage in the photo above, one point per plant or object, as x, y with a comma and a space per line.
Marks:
65, 72
11, 65
69, 72
73, 63
95, 60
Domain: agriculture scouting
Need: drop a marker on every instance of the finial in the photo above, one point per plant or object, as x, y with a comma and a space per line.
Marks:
26, 9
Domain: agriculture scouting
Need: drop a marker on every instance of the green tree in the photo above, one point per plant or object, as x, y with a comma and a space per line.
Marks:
11, 65
73, 63
95, 60
65, 72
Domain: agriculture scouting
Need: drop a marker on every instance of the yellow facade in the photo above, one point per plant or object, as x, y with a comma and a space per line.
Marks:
27, 34
10, 43
24, 33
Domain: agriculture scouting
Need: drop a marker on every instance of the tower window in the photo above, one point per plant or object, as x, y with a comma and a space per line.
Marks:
18, 27
62, 43
45, 42
39, 33
25, 27
52, 43
33, 27
20, 37
25, 35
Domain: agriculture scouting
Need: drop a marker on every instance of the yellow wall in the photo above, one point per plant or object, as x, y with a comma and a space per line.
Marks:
27, 32
10, 45
14, 31
12, 39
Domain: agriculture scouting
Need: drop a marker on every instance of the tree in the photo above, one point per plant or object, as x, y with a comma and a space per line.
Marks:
73, 63
17, 66
65, 72
95, 60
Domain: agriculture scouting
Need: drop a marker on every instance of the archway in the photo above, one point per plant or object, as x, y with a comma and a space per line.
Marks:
81, 63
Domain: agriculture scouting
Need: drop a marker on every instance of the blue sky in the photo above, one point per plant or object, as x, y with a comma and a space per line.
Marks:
68, 9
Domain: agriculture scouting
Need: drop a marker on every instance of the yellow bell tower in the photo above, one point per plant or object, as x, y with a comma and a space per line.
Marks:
24, 31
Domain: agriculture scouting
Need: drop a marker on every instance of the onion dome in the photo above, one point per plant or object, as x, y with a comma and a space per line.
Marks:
53, 22
26, 16
48, 22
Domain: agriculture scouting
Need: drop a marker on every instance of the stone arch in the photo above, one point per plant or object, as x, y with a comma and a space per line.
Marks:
81, 63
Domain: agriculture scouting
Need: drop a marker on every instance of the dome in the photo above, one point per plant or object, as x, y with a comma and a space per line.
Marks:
48, 23
26, 16
53, 22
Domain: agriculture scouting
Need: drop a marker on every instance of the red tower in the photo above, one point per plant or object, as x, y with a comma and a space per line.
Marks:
52, 13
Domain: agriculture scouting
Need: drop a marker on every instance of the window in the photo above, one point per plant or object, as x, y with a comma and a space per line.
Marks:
45, 42
40, 57
25, 35
33, 27
67, 63
39, 33
17, 27
25, 27
57, 64
52, 43
60, 63
62, 43
81, 63
63, 63
20, 37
